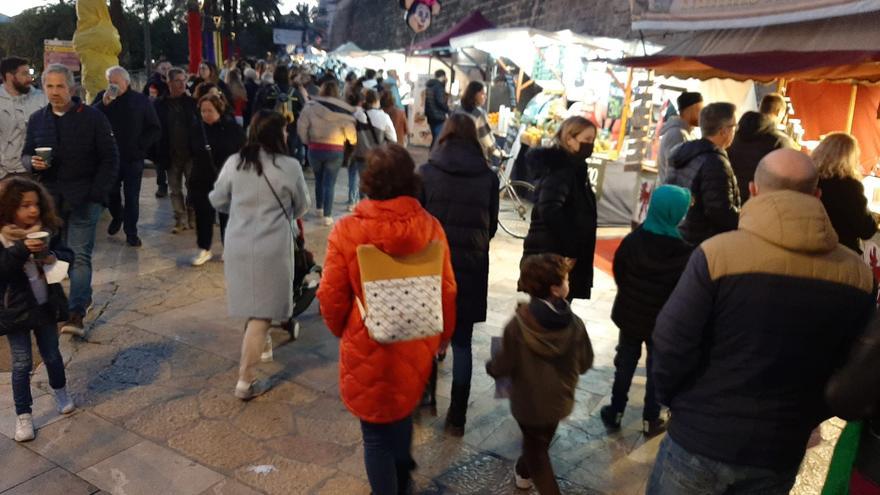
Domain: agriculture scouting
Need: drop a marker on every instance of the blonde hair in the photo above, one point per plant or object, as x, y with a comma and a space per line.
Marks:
570, 128
838, 156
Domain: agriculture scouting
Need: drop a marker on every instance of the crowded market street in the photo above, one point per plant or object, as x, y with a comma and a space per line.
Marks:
156, 414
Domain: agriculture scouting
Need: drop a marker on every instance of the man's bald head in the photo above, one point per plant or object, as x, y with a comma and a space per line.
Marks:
786, 170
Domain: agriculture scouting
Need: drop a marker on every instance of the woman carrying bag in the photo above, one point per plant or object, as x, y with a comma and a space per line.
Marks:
262, 189
382, 379
215, 137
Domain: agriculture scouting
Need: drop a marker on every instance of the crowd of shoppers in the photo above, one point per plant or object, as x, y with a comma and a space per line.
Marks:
745, 387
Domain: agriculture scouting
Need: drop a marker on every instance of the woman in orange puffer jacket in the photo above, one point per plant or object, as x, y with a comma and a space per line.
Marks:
382, 384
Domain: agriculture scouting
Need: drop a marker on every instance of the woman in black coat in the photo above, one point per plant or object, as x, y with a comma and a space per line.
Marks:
837, 159
462, 192
214, 137
564, 217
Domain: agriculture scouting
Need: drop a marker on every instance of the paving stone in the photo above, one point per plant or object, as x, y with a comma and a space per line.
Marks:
279, 475
163, 420
294, 394
230, 487
345, 432
265, 420
217, 444
147, 469
54, 481
344, 484
80, 441
19, 464
307, 449
217, 403
122, 404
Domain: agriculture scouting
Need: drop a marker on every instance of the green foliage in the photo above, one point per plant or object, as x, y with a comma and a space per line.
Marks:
25, 34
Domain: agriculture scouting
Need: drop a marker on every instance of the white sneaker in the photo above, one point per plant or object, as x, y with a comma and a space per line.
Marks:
202, 257
63, 401
328, 221
522, 483
24, 428
257, 387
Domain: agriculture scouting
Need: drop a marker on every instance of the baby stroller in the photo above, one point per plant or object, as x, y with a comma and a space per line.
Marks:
306, 279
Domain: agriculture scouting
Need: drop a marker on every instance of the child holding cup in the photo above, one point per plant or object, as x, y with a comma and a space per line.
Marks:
28, 224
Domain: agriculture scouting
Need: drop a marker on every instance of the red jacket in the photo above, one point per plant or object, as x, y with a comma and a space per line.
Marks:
380, 383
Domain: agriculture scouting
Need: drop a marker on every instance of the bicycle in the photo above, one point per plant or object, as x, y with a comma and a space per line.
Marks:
515, 202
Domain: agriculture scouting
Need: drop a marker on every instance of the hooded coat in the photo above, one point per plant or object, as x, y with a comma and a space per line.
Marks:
756, 136
564, 218
380, 383
674, 132
461, 191
705, 169
648, 264
753, 331
328, 123
544, 365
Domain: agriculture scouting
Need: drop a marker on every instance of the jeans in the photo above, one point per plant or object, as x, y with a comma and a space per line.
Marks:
534, 463
462, 368
80, 228
205, 216
679, 472
23, 363
354, 180
387, 455
626, 361
179, 171
326, 165
130, 175
436, 130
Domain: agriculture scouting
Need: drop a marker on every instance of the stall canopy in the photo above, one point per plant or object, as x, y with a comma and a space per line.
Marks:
473, 22
837, 49
348, 50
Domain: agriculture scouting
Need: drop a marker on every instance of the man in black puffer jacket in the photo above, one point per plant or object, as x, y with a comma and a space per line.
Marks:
80, 175
703, 167
436, 106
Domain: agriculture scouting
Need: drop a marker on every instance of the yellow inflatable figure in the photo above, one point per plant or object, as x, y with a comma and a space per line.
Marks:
96, 41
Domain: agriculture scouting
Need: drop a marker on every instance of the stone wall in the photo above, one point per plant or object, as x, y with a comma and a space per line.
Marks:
378, 24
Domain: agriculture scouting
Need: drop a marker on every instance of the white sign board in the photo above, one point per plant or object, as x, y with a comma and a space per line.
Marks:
287, 36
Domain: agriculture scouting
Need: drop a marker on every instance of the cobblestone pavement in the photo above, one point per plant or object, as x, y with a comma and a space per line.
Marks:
155, 374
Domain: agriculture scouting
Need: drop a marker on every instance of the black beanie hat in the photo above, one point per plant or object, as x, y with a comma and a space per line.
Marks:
687, 99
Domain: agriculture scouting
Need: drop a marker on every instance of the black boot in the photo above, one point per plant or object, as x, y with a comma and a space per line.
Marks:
456, 417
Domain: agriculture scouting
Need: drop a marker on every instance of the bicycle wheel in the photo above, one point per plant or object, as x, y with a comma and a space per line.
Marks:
515, 208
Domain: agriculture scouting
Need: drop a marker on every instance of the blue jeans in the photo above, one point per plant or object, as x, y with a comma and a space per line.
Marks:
387, 455
679, 472
436, 129
130, 175
354, 180
462, 369
626, 361
80, 227
326, 165
23, 363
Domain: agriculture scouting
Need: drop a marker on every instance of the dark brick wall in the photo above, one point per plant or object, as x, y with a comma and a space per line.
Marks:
378, 24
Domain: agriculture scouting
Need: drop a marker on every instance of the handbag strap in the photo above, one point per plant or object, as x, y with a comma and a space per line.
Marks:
281, 204
207, 145
372, 129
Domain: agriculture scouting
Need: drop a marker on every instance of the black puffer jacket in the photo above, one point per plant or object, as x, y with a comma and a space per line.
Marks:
225, 138
462, 192
705, 169
564, 217
844, 200
756, 136
15, 290
646, 268
436, 108
85, 160
135, 124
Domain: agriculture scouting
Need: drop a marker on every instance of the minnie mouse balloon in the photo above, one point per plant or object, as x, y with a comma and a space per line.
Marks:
419, 13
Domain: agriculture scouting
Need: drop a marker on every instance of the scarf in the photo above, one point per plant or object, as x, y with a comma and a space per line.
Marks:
12, 233
669, 205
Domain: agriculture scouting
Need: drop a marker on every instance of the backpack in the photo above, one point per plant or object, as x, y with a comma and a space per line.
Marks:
403, 295
367, 136
284, 103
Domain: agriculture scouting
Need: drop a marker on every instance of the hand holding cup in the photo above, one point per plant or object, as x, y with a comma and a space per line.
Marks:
38, 244
43, 158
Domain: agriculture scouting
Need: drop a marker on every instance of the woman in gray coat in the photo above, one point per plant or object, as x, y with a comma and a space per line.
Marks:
252, 187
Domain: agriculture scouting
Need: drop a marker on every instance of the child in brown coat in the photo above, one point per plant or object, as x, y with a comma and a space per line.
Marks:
545, 349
